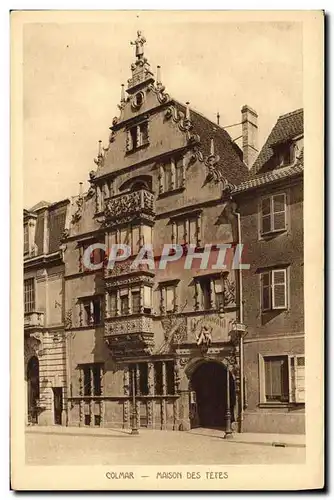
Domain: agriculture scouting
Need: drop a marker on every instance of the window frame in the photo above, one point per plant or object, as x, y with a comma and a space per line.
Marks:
138, 134
272, 213
292, 399
85, 302
32, 302
271, 273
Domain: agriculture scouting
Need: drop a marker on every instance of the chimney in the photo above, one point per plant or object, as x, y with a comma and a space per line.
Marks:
249, 135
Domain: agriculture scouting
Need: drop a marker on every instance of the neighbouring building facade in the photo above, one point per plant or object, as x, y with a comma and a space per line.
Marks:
44, 335
271, 208
165, 347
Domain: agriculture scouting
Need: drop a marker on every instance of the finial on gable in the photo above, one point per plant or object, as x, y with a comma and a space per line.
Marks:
187, 111
122, 93
212, 147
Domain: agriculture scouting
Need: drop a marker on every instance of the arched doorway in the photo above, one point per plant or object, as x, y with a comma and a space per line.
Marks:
209, 396
33, 389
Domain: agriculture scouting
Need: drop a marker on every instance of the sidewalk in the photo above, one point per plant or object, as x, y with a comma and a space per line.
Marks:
284, 440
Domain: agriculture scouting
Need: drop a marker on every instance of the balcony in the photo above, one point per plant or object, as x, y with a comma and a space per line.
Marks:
34, 320
129, 335
123, 208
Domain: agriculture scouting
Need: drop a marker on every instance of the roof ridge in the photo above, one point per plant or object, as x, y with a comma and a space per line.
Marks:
291, 113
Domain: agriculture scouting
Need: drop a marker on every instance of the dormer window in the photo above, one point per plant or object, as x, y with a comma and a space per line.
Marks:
137, 137
286, 154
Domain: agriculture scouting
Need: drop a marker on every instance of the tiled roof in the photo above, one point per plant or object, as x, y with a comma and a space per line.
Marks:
230, 164
287, 127
271, 176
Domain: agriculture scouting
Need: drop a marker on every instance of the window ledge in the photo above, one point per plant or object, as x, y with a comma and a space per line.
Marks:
280, 405
271, 234
171, 192
134, 150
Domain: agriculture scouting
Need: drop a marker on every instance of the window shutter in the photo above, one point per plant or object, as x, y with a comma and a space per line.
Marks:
265, 215
300, 379
279, 212
265, 292
279, 289
262, 380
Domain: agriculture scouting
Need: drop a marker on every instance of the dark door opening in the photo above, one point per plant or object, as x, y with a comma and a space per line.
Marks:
57, 404
209, 385
33, 389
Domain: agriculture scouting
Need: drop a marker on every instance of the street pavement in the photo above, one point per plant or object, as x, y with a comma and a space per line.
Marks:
72, 446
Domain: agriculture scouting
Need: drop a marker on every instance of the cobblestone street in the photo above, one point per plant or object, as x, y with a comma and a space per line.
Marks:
118, 447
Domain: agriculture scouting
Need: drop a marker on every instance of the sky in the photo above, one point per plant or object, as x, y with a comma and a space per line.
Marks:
72, 75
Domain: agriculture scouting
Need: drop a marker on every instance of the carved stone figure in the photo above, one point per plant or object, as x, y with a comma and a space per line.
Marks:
139, 43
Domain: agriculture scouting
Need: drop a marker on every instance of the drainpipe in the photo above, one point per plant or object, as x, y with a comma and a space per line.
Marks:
241, 334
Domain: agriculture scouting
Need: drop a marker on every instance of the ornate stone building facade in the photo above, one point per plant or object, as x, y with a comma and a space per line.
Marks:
167, 335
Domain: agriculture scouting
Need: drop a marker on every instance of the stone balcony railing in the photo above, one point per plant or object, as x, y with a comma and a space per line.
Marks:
34, 319
124, 207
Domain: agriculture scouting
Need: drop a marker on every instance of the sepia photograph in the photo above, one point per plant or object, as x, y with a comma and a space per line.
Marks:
161, 228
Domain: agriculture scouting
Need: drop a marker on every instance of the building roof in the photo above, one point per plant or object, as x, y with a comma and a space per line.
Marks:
39, 205
287, 127
230, 165
270, 177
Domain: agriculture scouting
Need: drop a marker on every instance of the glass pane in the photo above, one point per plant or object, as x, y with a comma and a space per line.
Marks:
135, 239
279, 202
180, 232
193, 231
143, 378
113, 300
135, 302
265, 297
170, 294
279, 221
170, 377
158, 378
86, 381
168, 177
266, 224
265, 206
124, 304
97, 380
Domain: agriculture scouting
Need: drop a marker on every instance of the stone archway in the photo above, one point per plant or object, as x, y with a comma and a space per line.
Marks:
208, 394
33, 389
